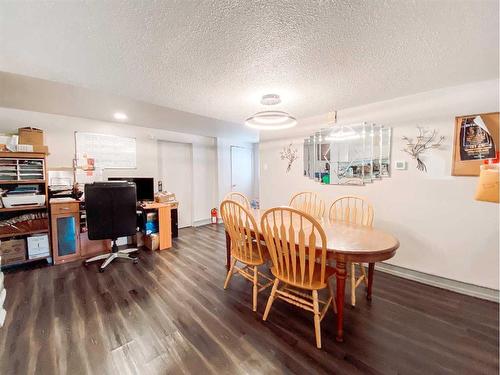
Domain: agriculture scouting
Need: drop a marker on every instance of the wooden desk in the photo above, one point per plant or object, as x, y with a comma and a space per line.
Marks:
347, 243
164, 222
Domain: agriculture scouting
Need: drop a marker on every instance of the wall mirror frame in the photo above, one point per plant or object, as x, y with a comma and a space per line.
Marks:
353, 154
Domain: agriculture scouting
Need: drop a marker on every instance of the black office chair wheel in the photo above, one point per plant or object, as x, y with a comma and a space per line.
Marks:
136, 260
101, 270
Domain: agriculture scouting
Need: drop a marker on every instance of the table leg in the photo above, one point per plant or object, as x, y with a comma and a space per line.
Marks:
341, 274
371, 269
228, 251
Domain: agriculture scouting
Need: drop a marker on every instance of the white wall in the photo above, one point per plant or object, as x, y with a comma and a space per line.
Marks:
204, 180
443, 231
59, 137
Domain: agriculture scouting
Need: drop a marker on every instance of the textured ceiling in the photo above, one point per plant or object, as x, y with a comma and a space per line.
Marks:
216, 58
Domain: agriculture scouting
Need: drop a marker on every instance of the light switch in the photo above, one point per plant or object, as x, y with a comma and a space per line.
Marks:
400, 164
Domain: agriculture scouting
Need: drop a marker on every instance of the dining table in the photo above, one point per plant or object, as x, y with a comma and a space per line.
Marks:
346, 243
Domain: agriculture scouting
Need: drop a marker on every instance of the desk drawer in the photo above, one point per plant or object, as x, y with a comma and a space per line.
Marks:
64, 208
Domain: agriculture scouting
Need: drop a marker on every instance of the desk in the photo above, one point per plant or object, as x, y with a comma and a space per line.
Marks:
347, 243
164, 221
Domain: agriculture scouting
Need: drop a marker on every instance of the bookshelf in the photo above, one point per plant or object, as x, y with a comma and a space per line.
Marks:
17, 170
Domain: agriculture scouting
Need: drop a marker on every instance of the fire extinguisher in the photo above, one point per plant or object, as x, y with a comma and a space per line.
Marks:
213, 215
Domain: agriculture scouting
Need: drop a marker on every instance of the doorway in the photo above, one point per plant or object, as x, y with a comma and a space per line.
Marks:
176, 173
242, 170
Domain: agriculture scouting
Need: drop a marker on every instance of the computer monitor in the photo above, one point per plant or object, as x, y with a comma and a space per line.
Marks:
144, 187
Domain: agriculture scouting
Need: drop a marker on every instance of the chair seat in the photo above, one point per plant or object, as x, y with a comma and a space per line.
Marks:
255, 260
316, 282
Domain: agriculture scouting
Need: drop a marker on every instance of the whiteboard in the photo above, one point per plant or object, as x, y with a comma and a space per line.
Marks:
108, 151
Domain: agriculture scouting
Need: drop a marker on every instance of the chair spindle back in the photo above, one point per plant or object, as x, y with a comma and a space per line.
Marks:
240, 224
295, 241
238, 197
308, 202
352, 209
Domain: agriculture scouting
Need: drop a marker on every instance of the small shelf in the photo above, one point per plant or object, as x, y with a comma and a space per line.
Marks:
26, 261
22, 208
22, 155
6, 235
14, 182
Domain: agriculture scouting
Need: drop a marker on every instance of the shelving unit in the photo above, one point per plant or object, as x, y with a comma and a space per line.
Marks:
20, 182
25, 233
22, 208
24, 168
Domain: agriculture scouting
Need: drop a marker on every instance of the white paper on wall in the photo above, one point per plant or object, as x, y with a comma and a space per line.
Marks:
107, 151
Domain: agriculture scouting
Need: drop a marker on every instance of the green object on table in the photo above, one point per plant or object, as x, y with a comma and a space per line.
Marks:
326, 179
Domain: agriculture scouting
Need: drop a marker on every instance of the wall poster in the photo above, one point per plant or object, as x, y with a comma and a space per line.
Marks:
477, 138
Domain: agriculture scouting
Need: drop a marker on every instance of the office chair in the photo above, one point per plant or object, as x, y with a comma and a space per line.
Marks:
111, 213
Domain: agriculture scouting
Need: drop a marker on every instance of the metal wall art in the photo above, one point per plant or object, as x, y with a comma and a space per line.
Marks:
426, 140
348, 154
289, 154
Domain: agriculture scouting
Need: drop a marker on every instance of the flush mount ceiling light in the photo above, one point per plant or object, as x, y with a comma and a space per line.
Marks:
271, 120
120, 116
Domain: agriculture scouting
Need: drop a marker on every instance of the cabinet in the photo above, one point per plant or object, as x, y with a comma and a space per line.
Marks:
65, 237
70, 241
65, 224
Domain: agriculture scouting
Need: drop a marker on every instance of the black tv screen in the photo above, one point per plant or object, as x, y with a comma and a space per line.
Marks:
144, 186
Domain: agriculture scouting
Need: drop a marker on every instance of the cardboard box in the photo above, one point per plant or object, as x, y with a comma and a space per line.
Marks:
38, 246
41, 148
12, 251
152, 241
164, 197
30, 136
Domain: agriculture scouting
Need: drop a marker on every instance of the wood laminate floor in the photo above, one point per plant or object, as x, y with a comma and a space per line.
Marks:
169, 315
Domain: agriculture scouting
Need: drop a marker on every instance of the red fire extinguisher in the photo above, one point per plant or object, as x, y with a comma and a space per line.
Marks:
213, 215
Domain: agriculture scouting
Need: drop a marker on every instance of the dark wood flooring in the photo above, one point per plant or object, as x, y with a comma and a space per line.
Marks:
169, 315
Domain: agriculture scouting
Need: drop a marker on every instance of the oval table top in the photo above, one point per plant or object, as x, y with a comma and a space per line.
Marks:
351, 239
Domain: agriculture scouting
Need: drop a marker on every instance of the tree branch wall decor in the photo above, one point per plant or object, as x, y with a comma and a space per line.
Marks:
426, 140
290, 154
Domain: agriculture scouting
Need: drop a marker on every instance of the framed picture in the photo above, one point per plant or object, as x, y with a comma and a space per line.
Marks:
477, 137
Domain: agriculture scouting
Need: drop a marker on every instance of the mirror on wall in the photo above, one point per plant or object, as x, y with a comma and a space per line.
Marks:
348, 154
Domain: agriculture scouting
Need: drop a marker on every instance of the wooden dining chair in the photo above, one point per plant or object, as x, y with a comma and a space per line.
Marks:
297, 246
238, 197
246, 247
355, 210
308, 202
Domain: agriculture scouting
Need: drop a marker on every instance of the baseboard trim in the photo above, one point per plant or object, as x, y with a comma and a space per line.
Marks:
440, 282
199, 223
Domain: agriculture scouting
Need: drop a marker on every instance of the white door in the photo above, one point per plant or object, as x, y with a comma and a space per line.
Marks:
176, 174
241, 170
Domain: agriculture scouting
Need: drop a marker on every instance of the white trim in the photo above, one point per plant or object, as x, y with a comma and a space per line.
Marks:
199, 223
440, 282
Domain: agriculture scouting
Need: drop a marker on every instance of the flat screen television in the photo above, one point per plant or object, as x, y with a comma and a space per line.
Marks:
144, 187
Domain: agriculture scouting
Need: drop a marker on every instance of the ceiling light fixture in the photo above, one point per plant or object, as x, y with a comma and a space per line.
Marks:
270, 99
120, 116
342, 133
271, 120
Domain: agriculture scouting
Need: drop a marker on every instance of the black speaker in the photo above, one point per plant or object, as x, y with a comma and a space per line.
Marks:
173, 220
